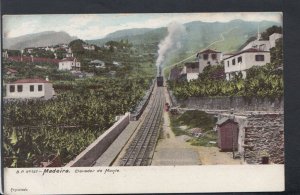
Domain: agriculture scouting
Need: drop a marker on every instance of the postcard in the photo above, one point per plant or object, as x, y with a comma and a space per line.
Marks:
143, 103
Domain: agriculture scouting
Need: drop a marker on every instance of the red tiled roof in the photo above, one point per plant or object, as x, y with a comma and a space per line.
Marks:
209, 51
35, 59
35, 80
250, 50
68, 59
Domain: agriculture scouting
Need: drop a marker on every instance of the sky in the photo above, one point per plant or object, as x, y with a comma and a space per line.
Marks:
96, 26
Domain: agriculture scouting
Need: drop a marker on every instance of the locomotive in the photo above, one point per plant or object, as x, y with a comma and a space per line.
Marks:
160, 79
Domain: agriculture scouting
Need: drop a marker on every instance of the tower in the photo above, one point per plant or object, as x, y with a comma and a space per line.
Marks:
258, 33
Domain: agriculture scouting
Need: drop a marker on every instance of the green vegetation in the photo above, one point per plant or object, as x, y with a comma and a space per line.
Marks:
192, 119
266, 81
274, 29
83, 109
195, 119
66, 125
205, 139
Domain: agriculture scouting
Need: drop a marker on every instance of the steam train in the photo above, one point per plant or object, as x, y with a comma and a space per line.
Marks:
160, 79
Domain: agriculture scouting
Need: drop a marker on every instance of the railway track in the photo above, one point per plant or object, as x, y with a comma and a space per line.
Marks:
140, 150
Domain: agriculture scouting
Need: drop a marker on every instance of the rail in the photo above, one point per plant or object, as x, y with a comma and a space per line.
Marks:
143, 144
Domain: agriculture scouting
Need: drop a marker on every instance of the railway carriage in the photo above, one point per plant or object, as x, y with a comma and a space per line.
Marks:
160, 81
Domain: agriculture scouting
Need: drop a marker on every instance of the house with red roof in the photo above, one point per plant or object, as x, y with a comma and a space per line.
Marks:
255, 53
30, 88
31, 59
69, 64
208, 57
245, 59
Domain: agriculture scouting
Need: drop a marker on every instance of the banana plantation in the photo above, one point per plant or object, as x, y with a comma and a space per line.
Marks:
265, 81
67, 124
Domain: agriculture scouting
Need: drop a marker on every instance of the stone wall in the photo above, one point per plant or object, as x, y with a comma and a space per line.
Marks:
227, 103
264, 136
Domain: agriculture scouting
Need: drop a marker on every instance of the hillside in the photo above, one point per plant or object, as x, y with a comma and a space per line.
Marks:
128, 33
227, 37
222, 36
135, 36
37, 40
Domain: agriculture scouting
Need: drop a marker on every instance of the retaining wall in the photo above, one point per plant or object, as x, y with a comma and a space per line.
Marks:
227, 103
264, 136
141, 107
88, 157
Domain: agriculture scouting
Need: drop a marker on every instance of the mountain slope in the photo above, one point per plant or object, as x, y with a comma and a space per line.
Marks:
37, 40
128, 32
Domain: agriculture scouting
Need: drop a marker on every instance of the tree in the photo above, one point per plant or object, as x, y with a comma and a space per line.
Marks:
274, 29
276, 53
77, 47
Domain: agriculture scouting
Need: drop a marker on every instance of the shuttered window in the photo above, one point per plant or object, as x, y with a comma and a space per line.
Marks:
40, 87
11, 88
259, 58
31, 88
20, 88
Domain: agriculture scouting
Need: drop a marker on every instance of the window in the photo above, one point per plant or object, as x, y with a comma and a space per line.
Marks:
214, 56
228, 63
205, 56
259, 58
233, 61
20, 88
11, 88
31, 88
40, 87
240, 59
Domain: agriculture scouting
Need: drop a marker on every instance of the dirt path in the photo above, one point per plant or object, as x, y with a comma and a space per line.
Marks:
174, 150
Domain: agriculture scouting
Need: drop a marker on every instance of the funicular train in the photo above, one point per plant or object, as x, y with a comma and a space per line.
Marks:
160, 79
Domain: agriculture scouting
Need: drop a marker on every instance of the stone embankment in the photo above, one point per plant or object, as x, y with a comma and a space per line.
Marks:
261, 124
264, 137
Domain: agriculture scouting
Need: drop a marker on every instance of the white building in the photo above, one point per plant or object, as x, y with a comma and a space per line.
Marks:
208, 57
264, 45
30, 88
190, 71
273, 38
69, 64
97, 64
255, 53
242, 61
115, 63
89, 47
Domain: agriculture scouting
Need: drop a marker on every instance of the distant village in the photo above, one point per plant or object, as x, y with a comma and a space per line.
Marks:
61, 56
255, 53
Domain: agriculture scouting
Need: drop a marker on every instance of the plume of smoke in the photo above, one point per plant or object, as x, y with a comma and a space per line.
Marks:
171, 42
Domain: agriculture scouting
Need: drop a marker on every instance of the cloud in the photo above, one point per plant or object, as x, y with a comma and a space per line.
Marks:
24, 28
